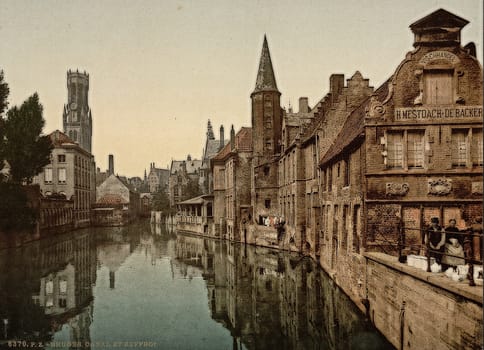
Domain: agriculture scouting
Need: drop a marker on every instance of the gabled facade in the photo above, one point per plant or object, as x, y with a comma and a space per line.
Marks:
116, 204
181, 173
158, 178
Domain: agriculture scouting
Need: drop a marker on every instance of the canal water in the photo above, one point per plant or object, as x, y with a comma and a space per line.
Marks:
142, 287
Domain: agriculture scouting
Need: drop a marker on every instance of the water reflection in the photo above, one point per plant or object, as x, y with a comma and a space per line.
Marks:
142, 283
275, 300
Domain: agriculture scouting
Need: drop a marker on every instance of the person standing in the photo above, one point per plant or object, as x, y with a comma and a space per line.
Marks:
436, 239
452, 231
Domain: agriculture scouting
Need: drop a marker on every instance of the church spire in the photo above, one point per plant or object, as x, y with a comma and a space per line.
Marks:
266, 81
210, 134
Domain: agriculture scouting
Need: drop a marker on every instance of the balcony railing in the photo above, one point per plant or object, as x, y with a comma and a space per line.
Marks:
469, 239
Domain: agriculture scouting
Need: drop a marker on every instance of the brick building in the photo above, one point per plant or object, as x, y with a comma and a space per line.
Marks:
231, 169
416, 142
362, 163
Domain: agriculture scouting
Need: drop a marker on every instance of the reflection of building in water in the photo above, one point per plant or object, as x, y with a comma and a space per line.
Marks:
50, 285
273, 300
68, 270
57, 291
112, 255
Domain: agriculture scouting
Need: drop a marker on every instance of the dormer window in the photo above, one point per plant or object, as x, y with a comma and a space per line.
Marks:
438, 87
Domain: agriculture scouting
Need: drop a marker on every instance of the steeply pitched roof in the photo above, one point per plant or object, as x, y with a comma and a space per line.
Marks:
266, 81
353, 127
212, 148
243, 143
192, 166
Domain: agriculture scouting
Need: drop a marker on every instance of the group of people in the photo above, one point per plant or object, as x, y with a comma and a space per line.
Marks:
274, 221
451, 246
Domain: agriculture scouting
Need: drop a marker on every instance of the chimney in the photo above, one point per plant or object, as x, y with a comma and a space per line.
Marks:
232, 138
222, 143
111, 165
303, 105
336, 84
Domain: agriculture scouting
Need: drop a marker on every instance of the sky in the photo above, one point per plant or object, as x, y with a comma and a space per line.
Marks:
160, 69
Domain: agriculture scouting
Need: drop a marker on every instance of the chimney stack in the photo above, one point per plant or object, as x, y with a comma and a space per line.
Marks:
336, 85
232, 138
222, 141
111, 165
303, 105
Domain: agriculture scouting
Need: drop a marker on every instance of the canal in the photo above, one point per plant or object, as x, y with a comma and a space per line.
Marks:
141, 286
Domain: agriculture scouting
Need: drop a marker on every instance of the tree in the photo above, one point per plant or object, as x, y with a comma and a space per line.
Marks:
26, 151
4, 91
161, 202
15, 212
191, 189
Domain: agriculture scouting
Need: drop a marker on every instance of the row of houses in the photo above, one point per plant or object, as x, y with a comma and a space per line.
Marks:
349, 175
343, 174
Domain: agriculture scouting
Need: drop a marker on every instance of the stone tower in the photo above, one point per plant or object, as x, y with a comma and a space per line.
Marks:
266, 109
77, 119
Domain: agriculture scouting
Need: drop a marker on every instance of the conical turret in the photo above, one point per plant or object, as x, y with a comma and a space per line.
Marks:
266, 81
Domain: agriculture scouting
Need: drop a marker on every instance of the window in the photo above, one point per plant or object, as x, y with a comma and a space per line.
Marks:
62, 175
48, 175
63, 286
466, 147
330, 178
266, 170
344, 220
62, 302
268, 143
395, 149
476, 147
267, 203
405, 149
347, 171
438, 87
415, 149
61, 158
459, 147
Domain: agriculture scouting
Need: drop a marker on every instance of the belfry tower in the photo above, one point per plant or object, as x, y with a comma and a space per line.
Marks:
266, 108
77, 118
